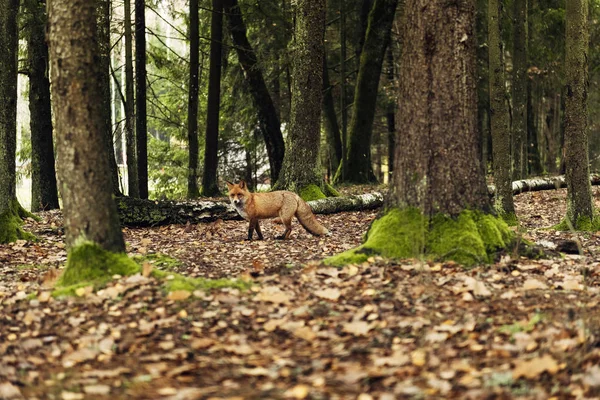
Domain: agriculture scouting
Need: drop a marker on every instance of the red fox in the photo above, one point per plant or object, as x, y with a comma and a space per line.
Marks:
282, 204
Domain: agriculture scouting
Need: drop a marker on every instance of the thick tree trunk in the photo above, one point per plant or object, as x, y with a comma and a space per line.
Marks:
132, 173
500, 119
519, 89
267, 115
192, 187
437, 150
358, 159
210, 186
332, 128
84, 177
104, 47
44, 192
580, 212
301, 163
391, 114
141, 130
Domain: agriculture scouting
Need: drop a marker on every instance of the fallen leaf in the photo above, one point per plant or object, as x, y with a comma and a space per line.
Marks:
272, 294
533, 284
535, 367
328, 294
179, 295
357, 328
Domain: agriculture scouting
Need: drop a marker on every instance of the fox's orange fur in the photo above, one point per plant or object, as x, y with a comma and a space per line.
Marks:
283, 204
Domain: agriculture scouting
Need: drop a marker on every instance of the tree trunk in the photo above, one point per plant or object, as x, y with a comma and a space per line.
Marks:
44, 192
90, 213
267, 115
132, 173
534, 166
500, 119
301, 167
10, 210
210, 186
429, 211
332, 128
358, 159
391, 113
519, 89
141, 130
580, 212
192, 189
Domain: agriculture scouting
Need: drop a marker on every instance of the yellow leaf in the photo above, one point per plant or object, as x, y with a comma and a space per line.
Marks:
179, 295
535, 367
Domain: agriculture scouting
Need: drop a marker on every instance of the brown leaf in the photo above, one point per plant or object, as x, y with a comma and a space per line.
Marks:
179, 295
535, 367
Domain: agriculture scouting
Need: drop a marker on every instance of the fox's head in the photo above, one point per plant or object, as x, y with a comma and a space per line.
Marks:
238, 193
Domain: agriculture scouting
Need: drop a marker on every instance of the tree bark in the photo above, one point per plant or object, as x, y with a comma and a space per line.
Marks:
130, 150
580, 210
267, 114
192, 188
332, 128
210, 186
391, 113
500, 119
104, 47
301, 166
437, 150
358, 159
141, 130
44, 192
84, 177
519, 90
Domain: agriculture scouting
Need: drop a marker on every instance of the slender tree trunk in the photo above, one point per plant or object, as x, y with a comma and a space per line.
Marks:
210, 186
358, 158
141, 130
533, 147
192, 189
343, 91
90, 213
44, 192
104, 48
332, 128
580, 212
519, 90
391, 113
267, 115
500, 119
132, 173
301, 163
10, 210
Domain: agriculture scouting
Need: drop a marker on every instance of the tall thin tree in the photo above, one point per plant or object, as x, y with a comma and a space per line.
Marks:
580, 207
209, 174
519, 90
141, 130
10, 210
130, 143
44, 192
500, 119
192, 184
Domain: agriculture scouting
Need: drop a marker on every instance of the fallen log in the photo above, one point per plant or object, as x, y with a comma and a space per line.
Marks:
140, 212
542, 183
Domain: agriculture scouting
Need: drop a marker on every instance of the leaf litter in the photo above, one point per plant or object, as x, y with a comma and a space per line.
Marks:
378, 330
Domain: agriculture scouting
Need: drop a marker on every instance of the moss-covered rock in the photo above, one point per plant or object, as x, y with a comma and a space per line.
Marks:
11, 222
584, 224
472, 237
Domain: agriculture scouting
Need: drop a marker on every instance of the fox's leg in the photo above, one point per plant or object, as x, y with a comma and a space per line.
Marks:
288, 227
257, 229
253, 224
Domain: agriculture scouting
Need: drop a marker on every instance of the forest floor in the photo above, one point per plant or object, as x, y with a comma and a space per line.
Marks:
519, 328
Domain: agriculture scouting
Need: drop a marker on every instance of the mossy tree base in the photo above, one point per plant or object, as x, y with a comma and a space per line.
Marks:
472, 237
583, 224
11, 221
88, 264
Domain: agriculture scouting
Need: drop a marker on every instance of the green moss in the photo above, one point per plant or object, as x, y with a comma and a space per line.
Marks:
472, 237
311, 192
179, 282
88, 262
159, 260
510, 219
10, 225
330, 191
584, 224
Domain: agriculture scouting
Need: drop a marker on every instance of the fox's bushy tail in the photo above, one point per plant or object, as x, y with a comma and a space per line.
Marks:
308, 220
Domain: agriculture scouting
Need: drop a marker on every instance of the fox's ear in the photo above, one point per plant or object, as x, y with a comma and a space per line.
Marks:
229, 184
242, 184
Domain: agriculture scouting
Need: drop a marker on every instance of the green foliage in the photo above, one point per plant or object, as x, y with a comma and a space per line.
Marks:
162, 261
179, 282
11, 222
471, 237
167, 169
